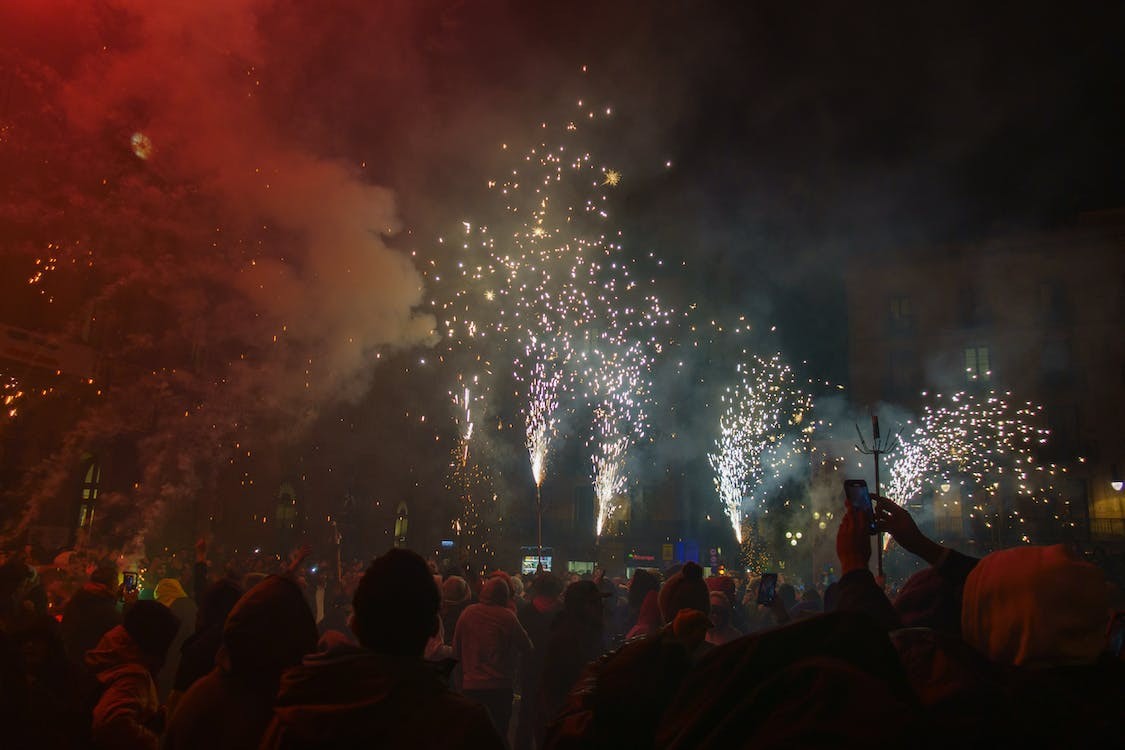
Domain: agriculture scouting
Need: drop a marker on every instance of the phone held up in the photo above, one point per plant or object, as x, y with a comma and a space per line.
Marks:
767, 588
129, 581
860, 501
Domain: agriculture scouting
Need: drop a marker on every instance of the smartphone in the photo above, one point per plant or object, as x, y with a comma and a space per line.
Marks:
767, 588
129, 580
860, 500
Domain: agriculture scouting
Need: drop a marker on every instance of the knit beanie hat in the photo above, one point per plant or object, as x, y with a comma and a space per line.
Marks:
455, 590
494, 591
1035, 606
684, 590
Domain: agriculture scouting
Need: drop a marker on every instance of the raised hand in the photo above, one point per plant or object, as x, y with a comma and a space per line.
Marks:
893, 519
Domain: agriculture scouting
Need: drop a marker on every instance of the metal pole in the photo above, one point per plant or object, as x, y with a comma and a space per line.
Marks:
539, 522
879, 536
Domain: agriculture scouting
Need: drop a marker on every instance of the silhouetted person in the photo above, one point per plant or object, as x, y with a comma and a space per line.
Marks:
171, 594
269, 630
489, 641
536, 618
619, 699
577, 638
197, 655
91, 613
380, 693
125, 662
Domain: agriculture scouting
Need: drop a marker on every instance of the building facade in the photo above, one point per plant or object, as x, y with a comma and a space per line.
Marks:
1040, 315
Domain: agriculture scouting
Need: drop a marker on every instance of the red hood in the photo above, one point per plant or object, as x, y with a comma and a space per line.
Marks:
116, 654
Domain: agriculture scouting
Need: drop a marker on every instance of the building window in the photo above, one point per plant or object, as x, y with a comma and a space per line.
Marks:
978, 367
902, 313
970, 308
91, 480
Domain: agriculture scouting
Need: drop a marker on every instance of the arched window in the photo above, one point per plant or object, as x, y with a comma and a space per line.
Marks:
91, 479
402, 522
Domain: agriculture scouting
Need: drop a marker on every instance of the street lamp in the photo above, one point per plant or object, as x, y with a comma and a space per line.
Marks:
1115, 479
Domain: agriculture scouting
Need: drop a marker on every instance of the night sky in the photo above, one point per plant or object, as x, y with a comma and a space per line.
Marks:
801, 136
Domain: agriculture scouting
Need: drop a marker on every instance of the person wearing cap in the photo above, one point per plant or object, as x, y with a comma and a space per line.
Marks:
577, 638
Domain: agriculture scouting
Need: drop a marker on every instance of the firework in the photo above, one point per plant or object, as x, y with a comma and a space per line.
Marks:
619, 393
541, 406
764, 428
983, 443
547, 280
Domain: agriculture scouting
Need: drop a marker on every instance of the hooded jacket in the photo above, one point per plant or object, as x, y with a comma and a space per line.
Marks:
171, 594
269, 630
90, 614
489, 639
349, 696
128, 710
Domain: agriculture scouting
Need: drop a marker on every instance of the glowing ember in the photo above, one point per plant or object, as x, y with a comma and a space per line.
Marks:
142, 146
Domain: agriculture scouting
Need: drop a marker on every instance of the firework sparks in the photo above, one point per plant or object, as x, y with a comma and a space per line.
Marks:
984, 444
763, 428
542, 404
618, 389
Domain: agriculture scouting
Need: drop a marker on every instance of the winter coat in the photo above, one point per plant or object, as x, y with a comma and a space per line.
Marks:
488, 641
90, 614
171, 594
618, 700
348, 696
127, 715
269, 629
575, 641
197, 655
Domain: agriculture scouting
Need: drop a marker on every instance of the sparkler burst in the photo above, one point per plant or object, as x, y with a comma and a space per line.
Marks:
542, 404
983, 443
764, 427
616, 377
970, 437
551, 291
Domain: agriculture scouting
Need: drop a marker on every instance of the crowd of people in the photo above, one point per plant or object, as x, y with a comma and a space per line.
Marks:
1019, 648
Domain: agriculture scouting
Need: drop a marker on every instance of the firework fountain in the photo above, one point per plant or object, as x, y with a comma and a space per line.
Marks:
764, 429
548, 281
979, 442
619, 395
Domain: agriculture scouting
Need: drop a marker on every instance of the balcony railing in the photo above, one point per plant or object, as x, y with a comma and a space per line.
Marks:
1107, 528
